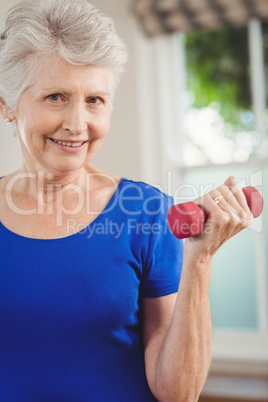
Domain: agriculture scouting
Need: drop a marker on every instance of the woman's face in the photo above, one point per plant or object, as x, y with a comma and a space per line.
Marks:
63, 116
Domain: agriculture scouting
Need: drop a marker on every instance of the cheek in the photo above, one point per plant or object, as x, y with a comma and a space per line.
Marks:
43, 121
37, 123
103, 125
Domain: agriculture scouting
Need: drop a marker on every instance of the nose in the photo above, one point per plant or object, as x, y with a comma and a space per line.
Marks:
75, 119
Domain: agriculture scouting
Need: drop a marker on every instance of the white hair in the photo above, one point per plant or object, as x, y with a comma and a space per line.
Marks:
74, 29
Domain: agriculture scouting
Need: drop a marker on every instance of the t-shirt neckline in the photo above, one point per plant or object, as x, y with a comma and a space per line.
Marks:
73, 236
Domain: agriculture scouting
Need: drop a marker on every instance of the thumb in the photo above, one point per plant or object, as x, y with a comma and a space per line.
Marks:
230, 181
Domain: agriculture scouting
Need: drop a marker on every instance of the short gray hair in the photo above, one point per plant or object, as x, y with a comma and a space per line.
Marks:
74, 29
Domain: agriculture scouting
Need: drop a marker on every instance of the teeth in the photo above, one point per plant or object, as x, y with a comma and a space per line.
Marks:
69, 144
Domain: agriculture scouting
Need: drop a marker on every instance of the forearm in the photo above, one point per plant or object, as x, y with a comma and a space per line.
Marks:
183, 354
184, 358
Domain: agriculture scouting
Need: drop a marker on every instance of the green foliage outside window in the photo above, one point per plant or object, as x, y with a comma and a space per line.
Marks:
218, 70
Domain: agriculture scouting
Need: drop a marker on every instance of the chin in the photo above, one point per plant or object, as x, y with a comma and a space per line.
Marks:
57, 169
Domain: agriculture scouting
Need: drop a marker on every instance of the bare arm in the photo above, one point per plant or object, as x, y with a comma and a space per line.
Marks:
177, 331
178, 348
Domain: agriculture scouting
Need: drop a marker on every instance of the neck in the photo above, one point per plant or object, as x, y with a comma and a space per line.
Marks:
47, 187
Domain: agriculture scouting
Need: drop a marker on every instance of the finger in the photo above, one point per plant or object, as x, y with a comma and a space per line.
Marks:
224, 199
219, 198
230, 181
236, 204
237, 199
209, 204
238, 194
219, 222
229, 197
241, 199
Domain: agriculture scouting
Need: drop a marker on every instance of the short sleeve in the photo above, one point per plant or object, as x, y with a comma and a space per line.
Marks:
162, 267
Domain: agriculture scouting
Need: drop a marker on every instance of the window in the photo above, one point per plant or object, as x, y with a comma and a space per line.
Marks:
219, 122
225, 133
203, 116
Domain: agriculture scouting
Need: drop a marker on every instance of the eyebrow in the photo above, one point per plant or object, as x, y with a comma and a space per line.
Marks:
64, 92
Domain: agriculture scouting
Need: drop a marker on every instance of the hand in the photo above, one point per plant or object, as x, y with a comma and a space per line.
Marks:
225, 219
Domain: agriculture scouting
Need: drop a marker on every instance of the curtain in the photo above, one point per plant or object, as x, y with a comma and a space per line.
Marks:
167, 16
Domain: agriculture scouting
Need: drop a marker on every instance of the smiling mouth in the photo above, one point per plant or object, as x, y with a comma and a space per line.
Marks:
68, 144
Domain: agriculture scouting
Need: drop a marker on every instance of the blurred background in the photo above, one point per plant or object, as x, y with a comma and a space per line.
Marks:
190, 110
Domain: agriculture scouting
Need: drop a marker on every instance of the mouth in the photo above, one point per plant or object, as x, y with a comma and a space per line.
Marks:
71, 144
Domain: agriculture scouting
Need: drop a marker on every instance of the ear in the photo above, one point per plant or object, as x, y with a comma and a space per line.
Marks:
5, 111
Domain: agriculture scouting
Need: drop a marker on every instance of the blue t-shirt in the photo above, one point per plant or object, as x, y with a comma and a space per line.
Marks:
70, 316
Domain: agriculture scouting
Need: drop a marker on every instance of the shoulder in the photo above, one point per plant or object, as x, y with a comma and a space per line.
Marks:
152, 197
10, 179
141, 187
7, 183
98, 179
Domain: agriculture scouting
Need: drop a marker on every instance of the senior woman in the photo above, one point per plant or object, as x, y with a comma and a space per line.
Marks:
89, 271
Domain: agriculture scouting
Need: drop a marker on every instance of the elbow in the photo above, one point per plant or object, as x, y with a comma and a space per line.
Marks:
177, 393
179, 397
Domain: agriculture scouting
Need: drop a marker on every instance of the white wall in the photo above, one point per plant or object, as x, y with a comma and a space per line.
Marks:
10, 157
120, 152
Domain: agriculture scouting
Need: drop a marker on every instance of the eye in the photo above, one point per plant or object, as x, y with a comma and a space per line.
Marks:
95, 100
54, 97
